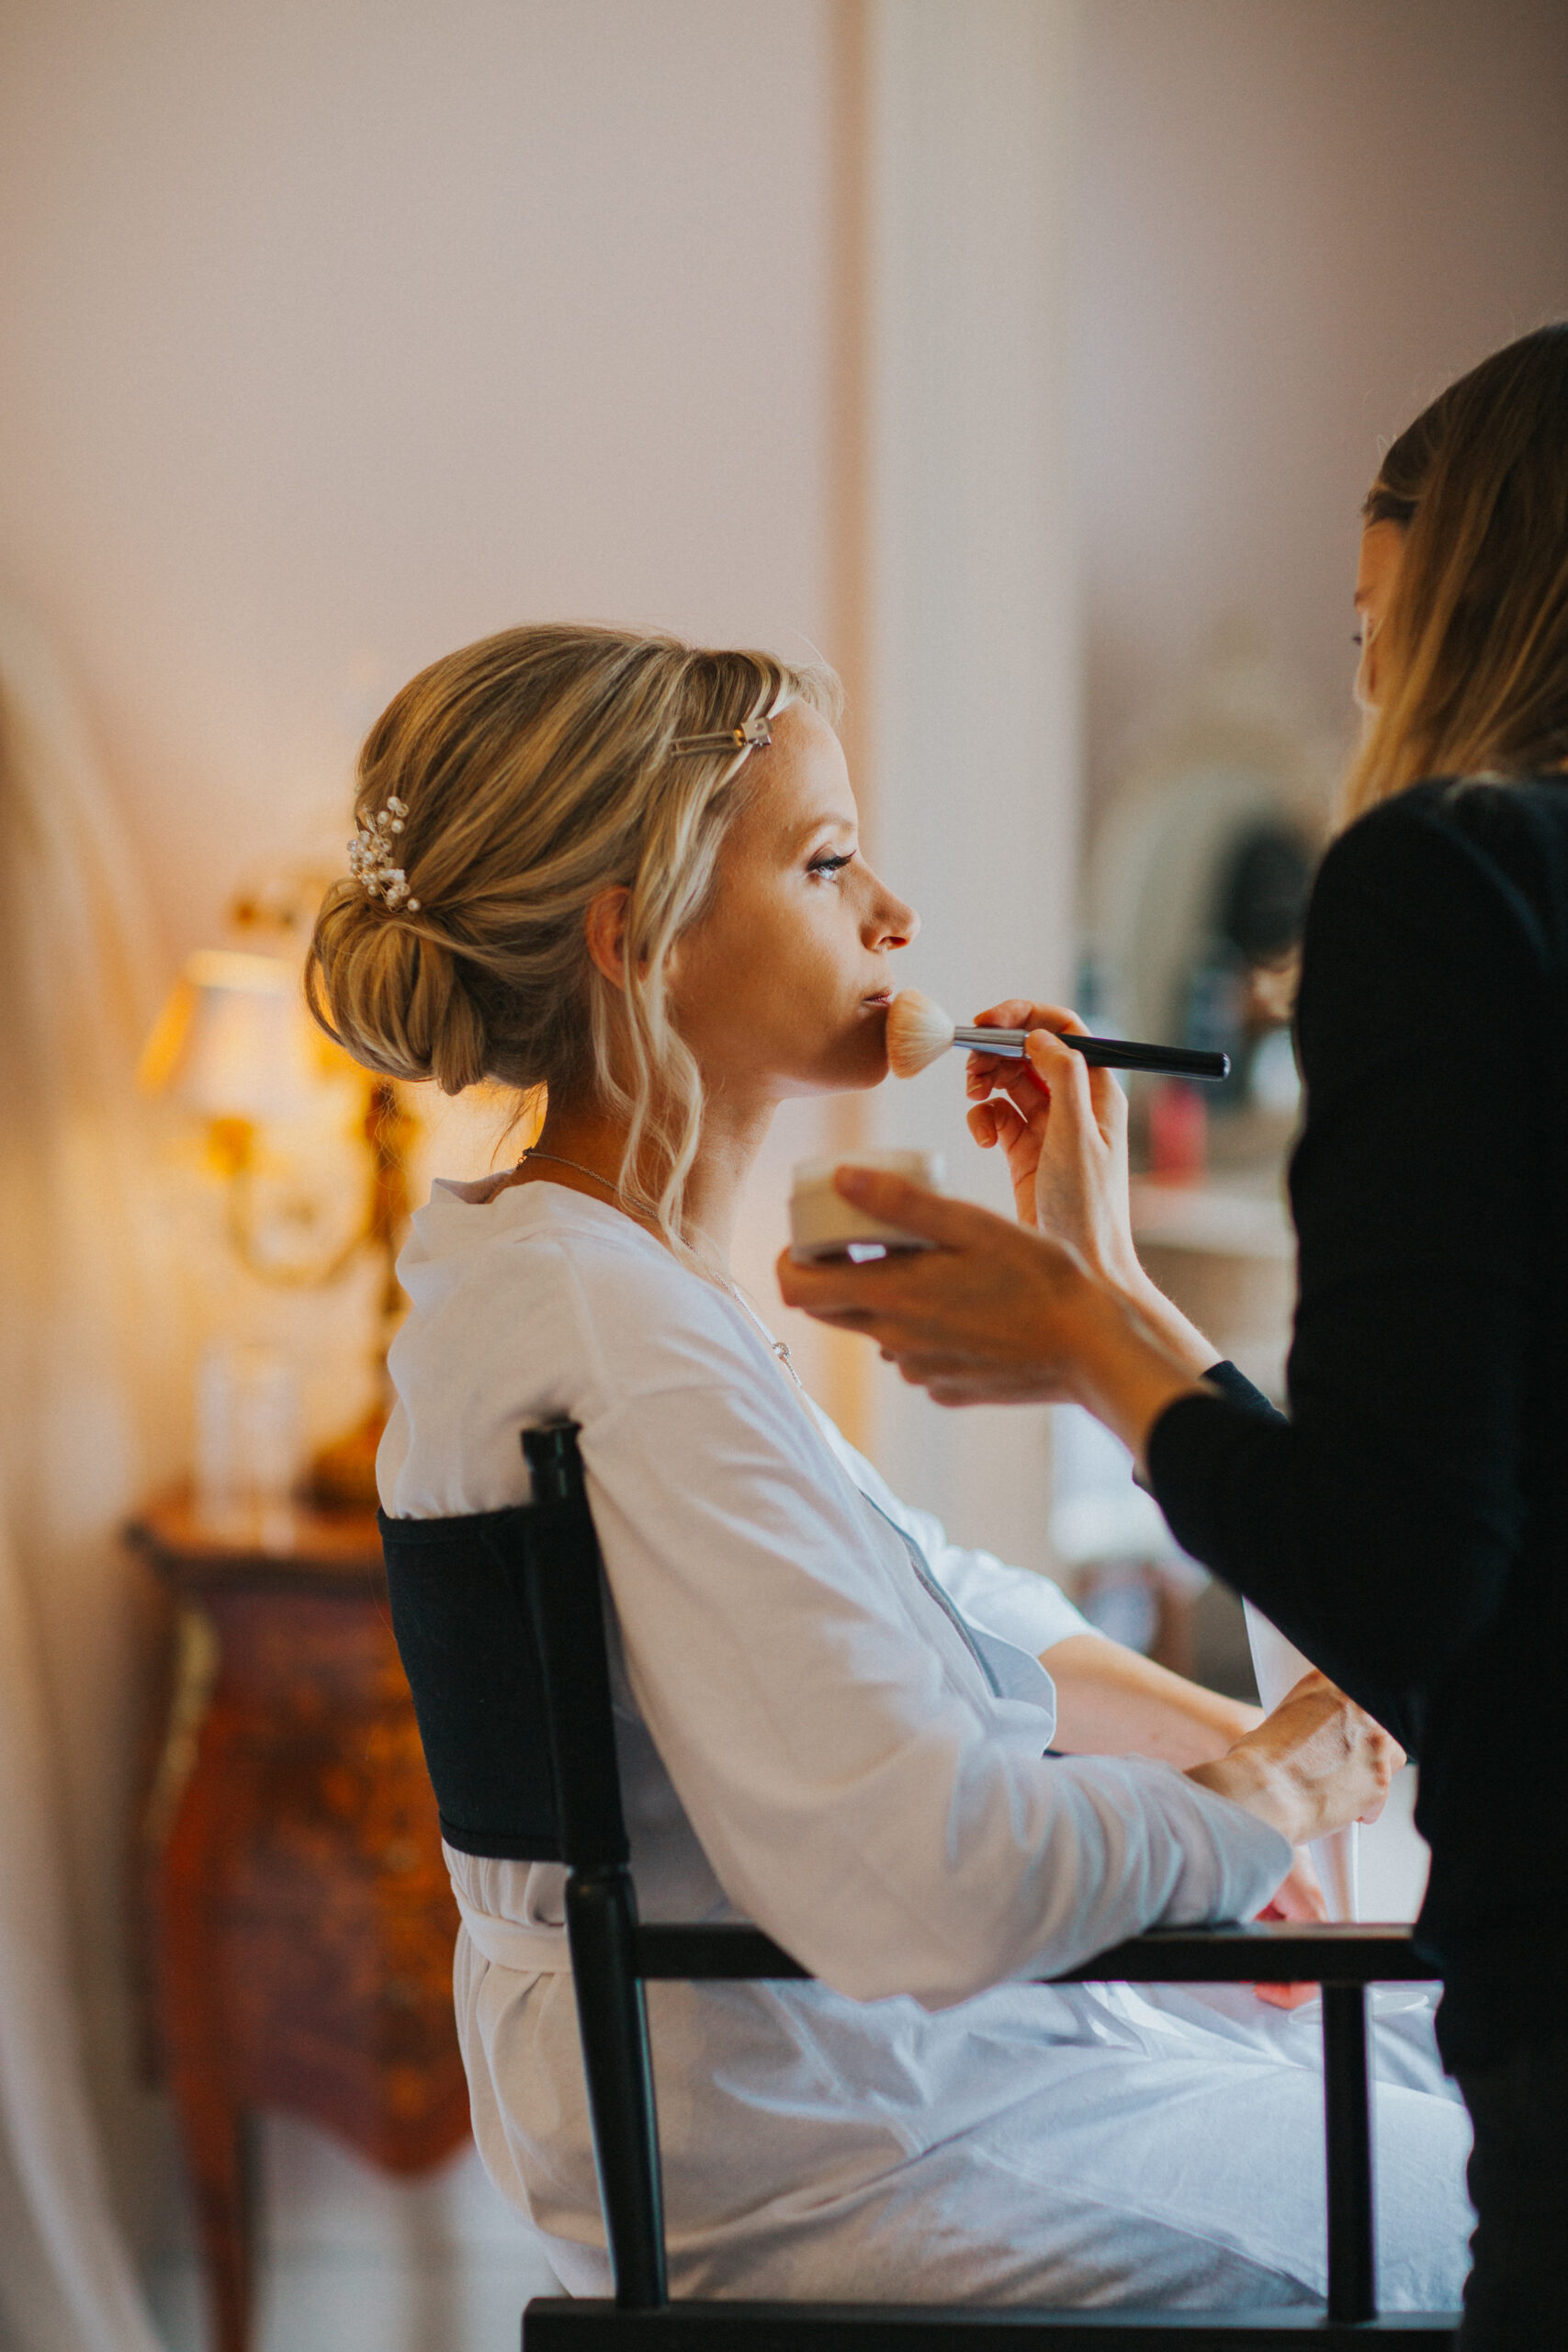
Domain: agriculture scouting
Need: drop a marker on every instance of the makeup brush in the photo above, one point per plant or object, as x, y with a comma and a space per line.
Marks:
918, 1031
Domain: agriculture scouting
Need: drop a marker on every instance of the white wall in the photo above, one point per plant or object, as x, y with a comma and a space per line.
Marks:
1296, 221
339, 333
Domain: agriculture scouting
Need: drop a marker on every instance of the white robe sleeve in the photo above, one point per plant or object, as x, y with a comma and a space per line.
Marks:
858, 1789
1018, 1605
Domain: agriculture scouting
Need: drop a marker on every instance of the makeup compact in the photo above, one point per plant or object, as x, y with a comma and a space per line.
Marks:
822, 1224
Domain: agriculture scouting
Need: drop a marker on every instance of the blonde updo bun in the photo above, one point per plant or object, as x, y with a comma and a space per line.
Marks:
536, 770
413, 1015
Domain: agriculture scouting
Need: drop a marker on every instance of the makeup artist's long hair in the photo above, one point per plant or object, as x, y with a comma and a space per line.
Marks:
537, 769
1472, 658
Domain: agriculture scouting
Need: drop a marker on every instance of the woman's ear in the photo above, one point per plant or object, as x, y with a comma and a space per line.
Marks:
605, 928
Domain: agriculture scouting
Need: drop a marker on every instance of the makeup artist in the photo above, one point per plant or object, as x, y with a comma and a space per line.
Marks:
1407, 1522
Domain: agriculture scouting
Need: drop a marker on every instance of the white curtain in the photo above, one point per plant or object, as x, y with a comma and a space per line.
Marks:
83, 1400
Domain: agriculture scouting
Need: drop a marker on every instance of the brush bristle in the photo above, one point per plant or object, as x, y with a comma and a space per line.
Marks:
918, 1031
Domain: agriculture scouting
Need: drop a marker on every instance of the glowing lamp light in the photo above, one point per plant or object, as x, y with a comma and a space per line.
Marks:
233, 1041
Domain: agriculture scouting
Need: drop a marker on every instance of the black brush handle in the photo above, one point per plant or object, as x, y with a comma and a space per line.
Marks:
1173, 1062
1104, 1053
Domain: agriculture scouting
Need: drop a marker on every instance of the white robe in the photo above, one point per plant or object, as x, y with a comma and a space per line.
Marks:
833, 1723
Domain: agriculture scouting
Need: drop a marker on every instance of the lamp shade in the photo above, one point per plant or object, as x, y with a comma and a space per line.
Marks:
234, 1040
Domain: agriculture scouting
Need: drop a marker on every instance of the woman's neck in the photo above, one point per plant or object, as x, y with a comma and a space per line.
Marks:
581, 1142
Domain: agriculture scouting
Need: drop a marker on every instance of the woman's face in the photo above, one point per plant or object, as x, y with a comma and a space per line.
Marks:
782, 986
1383, 550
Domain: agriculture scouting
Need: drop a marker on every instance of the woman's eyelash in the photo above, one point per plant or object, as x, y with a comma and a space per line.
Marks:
1358, 639
827, 864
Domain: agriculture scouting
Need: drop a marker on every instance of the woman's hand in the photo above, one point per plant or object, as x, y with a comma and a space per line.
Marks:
1317, 1763
1063, 1126
993, 1314
1298, 1896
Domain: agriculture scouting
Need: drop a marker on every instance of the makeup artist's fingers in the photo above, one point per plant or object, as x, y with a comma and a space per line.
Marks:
955, 1380
1021, 1012
990, 1292
1021, 1084
1079, 1189
996, 1121
913, 1208
999, 1120
1091, 1088
1048, 1058
1015, 1012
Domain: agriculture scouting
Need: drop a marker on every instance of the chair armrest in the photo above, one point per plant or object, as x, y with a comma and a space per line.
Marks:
1260, 1951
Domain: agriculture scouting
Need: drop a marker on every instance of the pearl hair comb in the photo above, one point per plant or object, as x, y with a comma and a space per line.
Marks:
370, 855
751, 737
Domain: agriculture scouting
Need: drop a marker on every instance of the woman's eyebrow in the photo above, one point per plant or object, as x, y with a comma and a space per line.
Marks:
830, 821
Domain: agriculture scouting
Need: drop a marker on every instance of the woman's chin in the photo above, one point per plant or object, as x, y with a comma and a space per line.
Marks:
853, 1065
861, 1062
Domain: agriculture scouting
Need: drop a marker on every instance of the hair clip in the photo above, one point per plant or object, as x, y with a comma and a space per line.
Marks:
751, 737
370, 857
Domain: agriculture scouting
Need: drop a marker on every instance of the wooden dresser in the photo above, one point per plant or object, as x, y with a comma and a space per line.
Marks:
298, 1918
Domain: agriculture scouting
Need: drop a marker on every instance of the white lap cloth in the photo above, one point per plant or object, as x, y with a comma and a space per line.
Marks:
833, 1722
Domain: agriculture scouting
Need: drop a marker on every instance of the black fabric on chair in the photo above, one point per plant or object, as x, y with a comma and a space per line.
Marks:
499, 1618
459, 1590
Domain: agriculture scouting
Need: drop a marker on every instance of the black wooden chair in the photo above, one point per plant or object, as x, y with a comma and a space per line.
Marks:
499, 1618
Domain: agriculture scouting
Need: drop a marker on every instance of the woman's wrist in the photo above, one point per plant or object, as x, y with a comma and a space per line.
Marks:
1261, 1787
1124, 1374
1166, 1323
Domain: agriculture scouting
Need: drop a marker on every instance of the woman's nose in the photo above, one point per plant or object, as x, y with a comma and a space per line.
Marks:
893, 923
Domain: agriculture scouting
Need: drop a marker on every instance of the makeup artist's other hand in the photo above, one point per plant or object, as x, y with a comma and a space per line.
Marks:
993, 1314
1317, 1763
988, 1313
1063, 1126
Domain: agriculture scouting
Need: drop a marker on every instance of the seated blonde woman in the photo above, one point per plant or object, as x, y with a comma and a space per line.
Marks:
626, 872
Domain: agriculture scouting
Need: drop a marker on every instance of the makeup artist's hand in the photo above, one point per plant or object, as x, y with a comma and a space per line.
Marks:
1063, 1126
994, 1314
987, 1314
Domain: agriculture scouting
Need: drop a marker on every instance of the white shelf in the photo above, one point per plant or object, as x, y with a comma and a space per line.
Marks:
1224, 1221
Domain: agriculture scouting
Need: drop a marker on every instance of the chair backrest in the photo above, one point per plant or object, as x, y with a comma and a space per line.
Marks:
499, 1620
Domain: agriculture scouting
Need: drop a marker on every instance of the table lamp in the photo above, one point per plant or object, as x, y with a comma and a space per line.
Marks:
235, 1045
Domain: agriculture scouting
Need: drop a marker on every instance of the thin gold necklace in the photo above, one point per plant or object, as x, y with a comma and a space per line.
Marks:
633, 1208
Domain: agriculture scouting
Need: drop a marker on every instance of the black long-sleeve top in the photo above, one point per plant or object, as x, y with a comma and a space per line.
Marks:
1407, 1523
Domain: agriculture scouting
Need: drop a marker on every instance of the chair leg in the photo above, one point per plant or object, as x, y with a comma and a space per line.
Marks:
601, 1912
1352, 2276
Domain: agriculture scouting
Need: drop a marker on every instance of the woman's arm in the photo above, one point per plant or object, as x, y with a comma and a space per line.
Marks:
854, 1787
1379, 1526
1112, 1701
